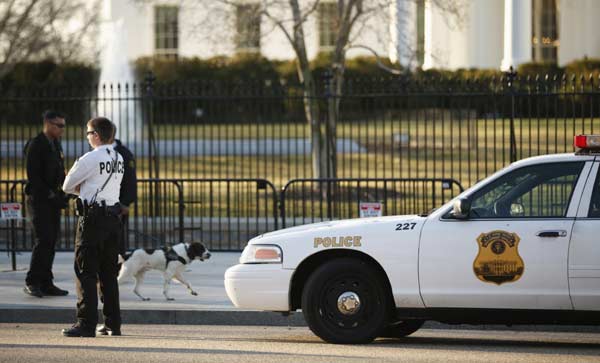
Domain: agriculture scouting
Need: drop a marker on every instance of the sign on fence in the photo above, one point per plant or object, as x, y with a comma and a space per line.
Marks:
370, 209
11, 211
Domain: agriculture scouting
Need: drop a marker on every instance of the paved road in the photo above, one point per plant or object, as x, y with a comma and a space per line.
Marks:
186, 343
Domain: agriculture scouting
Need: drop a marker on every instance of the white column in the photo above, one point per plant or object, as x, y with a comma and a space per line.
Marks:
428, 59
403, 33
517, 33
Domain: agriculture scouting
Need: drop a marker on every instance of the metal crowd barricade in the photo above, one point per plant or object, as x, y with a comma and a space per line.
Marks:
314, 200
221, 213
11, 191
225, 213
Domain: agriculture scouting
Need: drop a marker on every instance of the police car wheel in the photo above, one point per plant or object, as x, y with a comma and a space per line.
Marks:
401, 329
345, 301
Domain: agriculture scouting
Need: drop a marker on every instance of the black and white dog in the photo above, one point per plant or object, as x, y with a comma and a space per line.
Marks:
170, 260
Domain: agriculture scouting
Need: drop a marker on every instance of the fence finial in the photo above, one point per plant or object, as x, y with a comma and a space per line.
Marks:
328, 87
149, 82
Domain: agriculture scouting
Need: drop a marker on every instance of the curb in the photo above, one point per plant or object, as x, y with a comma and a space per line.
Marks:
173, 317
240, 317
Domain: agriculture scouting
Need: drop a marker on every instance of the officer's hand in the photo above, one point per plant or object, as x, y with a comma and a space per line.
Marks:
64, 201
124, 210
59, 200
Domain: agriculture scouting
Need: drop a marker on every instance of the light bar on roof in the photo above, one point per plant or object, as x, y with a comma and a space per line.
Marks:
587, 142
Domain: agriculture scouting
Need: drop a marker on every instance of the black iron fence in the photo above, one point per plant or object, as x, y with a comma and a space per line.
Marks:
392, 127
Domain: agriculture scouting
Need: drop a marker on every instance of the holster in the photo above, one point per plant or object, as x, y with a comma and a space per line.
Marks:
81, 208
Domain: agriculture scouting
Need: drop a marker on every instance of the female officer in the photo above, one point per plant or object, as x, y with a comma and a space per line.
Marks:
96, 178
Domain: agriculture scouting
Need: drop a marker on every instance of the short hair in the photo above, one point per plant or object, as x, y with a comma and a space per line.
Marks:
52, 114
103, 127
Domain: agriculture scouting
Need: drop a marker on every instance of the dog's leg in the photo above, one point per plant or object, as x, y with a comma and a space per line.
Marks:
139, 279
180, 278
168, 275
124, 274
166, 286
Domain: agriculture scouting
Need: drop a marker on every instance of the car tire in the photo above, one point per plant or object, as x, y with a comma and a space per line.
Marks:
346, 301
402, 328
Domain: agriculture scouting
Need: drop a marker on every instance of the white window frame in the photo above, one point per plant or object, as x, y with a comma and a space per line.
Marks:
242, 39
161, 40
326, 25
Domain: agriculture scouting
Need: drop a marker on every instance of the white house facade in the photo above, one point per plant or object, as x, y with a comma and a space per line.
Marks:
415, 33
504, 33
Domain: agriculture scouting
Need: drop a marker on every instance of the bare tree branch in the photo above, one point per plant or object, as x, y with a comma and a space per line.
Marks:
290, 17
37, 29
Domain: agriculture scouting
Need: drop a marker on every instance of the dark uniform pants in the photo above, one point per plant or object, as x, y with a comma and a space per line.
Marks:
124, 245
96, 250
46, 224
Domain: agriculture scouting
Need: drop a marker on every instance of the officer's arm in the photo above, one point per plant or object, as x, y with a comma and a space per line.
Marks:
81, 170
35, 170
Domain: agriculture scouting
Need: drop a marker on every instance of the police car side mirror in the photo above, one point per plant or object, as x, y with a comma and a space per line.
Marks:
461, 209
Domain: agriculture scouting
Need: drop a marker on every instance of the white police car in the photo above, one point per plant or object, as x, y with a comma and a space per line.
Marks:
522, 246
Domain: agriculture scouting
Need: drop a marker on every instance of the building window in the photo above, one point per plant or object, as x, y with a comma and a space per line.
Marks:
545, 40
166, 31
420, 51
328, 24
247, 23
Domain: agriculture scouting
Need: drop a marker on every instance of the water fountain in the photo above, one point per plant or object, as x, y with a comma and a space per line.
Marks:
116, 94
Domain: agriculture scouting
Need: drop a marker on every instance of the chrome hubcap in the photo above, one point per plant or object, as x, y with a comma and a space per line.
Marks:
348, 303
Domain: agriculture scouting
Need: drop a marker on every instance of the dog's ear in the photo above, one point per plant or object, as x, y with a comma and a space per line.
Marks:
191, 252
196, 250
200, 249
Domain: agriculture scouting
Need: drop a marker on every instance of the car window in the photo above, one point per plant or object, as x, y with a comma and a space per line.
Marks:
594, 211
542, 190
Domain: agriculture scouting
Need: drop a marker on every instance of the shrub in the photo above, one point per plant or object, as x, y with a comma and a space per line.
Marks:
533, 70
33, 87
584, 67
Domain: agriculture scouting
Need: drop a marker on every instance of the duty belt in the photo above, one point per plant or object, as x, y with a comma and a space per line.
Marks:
97, 209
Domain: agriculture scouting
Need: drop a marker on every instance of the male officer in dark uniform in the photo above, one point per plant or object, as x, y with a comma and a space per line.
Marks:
96, 178
45, 199
128, 192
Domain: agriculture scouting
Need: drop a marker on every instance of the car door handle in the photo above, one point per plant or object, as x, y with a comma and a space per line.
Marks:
552, 233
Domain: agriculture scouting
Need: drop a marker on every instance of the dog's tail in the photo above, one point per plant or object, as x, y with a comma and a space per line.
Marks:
122, 258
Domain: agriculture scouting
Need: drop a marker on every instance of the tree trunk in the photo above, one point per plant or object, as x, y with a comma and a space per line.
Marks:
333, 102
311, 110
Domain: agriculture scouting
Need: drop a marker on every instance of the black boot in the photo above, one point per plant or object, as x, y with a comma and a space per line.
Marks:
33, 290
52, 290
79, 331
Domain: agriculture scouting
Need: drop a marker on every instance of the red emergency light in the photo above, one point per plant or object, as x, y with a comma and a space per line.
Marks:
587, 142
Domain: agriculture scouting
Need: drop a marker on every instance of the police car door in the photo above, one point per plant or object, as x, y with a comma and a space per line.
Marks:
584, 254
511, 252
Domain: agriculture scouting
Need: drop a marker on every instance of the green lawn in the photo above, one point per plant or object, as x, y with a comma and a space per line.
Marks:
443, 128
